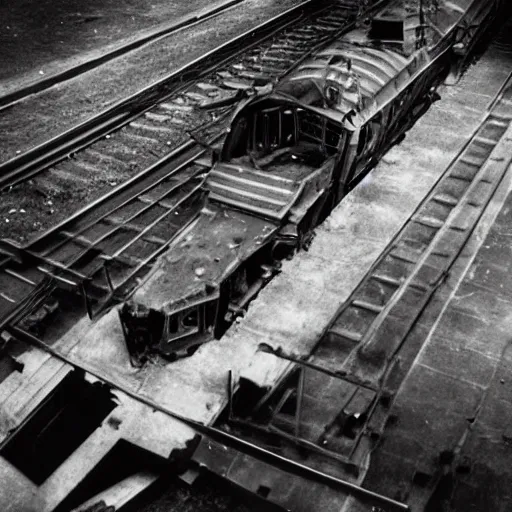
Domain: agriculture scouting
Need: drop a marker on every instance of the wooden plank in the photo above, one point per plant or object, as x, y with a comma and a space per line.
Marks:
21, 393
123, 492
131, 421
19, 494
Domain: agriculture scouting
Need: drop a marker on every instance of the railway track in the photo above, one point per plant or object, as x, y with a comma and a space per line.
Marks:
101, 250
40, 158
262, 53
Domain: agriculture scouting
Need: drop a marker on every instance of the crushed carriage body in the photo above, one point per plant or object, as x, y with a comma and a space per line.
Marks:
291, 154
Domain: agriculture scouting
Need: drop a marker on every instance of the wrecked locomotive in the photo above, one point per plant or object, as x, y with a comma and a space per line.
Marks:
290, 156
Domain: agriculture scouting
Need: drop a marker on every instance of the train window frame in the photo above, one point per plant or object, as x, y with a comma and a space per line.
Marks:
325, 127
175, 327
292, 131
262, 137
361, 142
377, 125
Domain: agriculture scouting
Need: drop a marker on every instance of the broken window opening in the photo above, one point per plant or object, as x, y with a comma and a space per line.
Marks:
246, 398
191, 320
183, 329
351, 426
283, 135
263, 491
314, 128
172, 325
387, 29
182, 323
289, 406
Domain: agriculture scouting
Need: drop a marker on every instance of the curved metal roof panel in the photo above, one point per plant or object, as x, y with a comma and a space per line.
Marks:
373, 65
368, 84
380, 57
354, 75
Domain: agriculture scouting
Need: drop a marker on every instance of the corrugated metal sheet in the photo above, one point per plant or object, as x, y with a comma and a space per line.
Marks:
262, 193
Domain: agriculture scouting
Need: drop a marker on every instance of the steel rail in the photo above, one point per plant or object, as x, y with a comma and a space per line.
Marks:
11, 98
117, 191
174, 165
168, 166
31, 162
190, 146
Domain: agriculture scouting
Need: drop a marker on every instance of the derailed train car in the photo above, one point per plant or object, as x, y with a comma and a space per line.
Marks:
290, 156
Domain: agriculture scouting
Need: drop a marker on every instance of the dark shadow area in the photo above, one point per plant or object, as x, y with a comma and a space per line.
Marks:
68, 416
123, 460
208, 493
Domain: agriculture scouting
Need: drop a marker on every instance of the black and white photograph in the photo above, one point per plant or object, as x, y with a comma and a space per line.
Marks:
256, 256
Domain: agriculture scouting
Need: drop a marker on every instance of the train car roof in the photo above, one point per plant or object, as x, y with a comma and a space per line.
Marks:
353, 78
345, 82
345, 78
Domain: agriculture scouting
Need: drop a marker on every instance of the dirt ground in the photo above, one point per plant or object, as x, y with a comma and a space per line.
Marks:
40, 38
